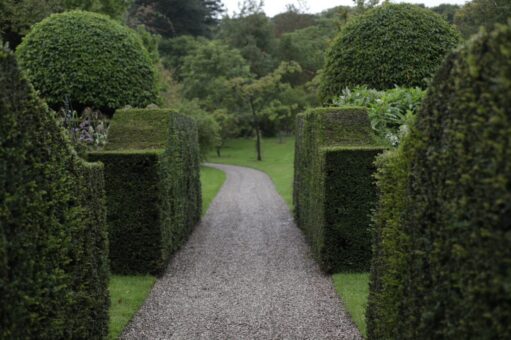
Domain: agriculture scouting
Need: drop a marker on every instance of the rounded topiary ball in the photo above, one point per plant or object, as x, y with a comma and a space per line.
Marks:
393, 44
89, 59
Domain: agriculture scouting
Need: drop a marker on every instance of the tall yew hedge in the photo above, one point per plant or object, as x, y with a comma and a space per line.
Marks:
153, 195
333, 188
53, 237
450, 278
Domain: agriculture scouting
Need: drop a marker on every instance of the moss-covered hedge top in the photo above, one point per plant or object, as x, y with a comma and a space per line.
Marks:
346, 125
393, 44
139, 129
90, 59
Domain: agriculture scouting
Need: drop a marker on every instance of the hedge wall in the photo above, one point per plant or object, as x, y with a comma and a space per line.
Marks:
53, 241
154, 196
457, 209
389, 45
391, 245
333, 190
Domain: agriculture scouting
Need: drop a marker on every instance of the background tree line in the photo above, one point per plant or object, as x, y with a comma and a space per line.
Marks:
244, 74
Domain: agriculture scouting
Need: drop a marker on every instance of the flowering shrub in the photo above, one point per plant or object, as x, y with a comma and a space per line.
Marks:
86, 131
390, 111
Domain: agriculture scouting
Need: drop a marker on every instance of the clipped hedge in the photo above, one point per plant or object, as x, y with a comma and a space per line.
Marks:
154, 196
135, 129
389, 45
391, 244
53, 238
333, 189
90, 59
456, 215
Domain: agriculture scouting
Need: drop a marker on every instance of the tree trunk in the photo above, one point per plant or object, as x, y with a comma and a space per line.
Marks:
258, 130
218, 151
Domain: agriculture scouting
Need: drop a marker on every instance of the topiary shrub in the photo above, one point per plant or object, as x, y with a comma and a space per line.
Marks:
53, 235
153, 195
455, 266
393, 44
333, 188
89, 59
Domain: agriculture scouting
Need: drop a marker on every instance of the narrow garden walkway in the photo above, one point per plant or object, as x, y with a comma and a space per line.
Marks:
245, 273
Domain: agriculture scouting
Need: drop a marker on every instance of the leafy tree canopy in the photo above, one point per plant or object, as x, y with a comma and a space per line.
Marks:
171, 18
18, 16
484, 13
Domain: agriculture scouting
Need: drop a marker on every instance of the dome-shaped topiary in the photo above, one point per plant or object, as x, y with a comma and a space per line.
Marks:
90, 59
393, 44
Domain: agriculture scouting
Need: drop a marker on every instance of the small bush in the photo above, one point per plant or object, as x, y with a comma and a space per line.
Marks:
392, 44
333, 189
154, 196
89, 59
454, 264
53, 238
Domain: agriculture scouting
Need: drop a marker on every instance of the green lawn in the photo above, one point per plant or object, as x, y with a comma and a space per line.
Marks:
211, 182
127, 294
353, 290
277, 160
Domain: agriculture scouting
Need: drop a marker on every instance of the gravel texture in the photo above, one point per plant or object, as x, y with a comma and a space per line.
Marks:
245, 273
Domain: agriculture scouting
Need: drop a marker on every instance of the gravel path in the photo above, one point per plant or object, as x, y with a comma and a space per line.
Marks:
245, 273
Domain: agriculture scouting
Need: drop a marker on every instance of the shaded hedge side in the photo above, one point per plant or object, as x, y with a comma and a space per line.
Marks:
457, 213
180, 173
154, 196
133, 201
333, 152
53, 247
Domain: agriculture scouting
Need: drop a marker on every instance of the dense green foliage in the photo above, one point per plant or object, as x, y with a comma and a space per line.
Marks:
247, 47
17, 16
153, 196
386, 46
171, 18
449, 246
477, 13
446, 11
389, 111
53, 237
206, 72
90, 60
390, 244
251, 31
333, 189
